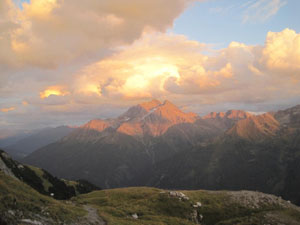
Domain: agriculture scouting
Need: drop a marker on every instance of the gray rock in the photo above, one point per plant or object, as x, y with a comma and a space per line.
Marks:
134, 216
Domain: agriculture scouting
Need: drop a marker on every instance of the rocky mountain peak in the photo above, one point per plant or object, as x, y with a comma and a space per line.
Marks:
255, 128
153, 118
230, 114
237, 114
150, 105
97, 125
289, 116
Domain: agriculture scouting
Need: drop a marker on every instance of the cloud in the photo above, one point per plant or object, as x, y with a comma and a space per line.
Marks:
171, 65
262, 10
43, 42
139, 71
253, 11
53, 90
282, 52
71, 38
48, 33
25, 103
7, 109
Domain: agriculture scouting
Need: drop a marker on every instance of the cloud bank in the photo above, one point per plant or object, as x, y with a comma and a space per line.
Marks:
65, 62
47, 33
171, 65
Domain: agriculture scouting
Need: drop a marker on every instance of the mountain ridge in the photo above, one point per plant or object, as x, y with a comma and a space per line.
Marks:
257, 149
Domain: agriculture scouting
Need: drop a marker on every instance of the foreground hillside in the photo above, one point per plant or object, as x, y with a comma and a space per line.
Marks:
42, 181
20, 204
156, 206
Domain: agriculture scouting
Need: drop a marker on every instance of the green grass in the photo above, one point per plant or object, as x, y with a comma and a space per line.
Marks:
19, 197
154, 207
39, 172
291, 213
117, 206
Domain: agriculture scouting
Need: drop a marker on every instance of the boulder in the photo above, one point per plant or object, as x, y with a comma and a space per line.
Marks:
134, 216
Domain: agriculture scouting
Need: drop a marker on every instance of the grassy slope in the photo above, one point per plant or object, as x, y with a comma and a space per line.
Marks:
117, 205
40, 173
155, 206
44, 182
26, 203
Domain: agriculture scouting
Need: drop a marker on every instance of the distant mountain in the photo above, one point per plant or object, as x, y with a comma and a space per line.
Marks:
149, 118
9, 137
225, 120
30, 143
258, 153
153, 118
156, 144
112, 152
289, 117
255, 128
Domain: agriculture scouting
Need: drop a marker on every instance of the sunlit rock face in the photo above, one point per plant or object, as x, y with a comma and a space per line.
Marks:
255, 128
153, 118
113, 152
149, 118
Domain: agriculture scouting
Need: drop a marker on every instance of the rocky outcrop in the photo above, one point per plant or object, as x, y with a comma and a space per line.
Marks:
3, 166
179, 195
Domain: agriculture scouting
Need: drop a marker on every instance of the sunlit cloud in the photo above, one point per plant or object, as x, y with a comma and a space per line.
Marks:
5, 110
282, 51
49, 33
77, 57
39, 8
171, 65
53, 90
25, 103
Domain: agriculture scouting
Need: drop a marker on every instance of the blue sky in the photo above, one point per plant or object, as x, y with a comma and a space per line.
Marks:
19, 2
221, 21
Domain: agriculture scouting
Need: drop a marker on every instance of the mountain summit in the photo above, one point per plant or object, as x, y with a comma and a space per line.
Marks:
112, 152
149, 118
230, 114
225, 120
153, 118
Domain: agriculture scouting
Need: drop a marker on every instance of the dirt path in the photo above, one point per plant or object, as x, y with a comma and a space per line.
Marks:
93, 217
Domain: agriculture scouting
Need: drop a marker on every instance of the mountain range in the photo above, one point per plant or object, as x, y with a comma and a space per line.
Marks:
157, 144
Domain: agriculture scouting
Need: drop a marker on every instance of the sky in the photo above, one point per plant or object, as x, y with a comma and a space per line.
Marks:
70, 61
